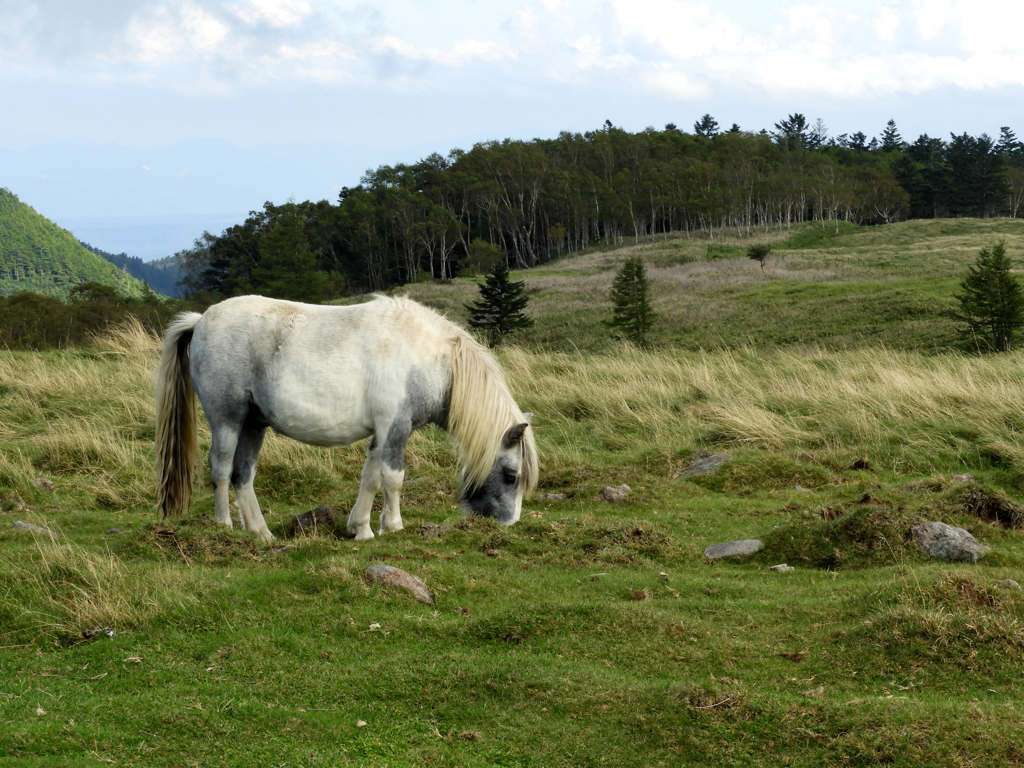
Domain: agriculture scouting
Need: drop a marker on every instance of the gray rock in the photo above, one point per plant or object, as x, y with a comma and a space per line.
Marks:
23, 526
801, 489
1006, 584
553, 496
113, 531
704, 466
44, 483
946, 542
321, 517
396, 577
965, 477
433, 530
615, 495
782, 567
739, 548
95, 632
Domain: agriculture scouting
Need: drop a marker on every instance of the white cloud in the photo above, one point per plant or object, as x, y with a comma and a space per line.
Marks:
276, 13
677, 49
886, 23
459, 53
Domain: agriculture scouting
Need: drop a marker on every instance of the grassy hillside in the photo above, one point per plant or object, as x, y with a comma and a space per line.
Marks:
37, 255
589, 633
865, 286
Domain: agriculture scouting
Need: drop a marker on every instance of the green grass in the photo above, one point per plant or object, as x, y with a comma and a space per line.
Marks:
589, 633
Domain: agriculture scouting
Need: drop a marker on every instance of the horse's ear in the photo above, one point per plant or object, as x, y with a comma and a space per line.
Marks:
515, 434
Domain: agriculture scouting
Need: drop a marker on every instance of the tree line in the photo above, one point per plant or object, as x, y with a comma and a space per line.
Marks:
531, 201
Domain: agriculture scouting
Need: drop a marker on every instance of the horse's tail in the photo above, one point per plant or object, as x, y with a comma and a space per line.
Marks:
177, 441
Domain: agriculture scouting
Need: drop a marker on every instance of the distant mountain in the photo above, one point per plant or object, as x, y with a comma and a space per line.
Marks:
162, 275
37, 255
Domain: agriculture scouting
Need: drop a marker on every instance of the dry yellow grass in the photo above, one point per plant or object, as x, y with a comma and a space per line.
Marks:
90, 414
909, 410
72, 589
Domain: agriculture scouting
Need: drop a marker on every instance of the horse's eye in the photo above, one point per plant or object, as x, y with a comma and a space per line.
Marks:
510, 476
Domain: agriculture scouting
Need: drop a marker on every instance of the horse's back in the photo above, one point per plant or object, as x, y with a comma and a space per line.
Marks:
321, 374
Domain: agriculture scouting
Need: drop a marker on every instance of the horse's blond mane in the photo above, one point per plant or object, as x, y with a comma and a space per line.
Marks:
481, 411
481, 408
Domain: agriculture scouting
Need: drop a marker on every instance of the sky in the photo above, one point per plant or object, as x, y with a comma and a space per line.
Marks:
138, 124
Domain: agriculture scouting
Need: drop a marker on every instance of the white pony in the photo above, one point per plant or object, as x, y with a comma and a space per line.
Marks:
330, 375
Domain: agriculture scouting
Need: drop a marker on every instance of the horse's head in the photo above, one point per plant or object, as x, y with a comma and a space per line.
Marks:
501, 495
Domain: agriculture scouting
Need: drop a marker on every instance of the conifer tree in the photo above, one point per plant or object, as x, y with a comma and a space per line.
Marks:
499, 312
287, 268
632, 314
891, 138
991, 301
707, 127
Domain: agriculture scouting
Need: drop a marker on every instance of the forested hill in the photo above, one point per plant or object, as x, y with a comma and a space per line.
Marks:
162, 275
533, 201
37, 255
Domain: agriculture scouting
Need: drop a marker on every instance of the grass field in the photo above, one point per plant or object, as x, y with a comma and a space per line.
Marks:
862, 287
589, 633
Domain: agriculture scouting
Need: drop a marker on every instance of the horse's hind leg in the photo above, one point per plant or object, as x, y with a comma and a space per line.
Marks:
222, 456
369, 484
242, 473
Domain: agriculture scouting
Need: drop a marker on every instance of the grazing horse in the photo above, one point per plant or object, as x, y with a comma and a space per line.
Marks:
329, 375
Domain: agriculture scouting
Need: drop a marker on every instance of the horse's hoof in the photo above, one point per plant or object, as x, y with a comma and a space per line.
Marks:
362, 534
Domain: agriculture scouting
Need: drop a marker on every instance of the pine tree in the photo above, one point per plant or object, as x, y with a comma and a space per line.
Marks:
288, 266
632, 313
499, 312
1009, 148
991, 302
707, 127
891, 138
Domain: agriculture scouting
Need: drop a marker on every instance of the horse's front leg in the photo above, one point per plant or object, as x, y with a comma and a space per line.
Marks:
391, 515
369, 484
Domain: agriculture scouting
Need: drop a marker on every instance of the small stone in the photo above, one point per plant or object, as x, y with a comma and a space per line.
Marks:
361, 723
1006, 584
705, 465
321, 517
432, 530
801, 489
44, 483
964, 477
114, 531
946, 542
553, 496
739, 548
23, 526
396, 577
615, 495
89, 634
782, 567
